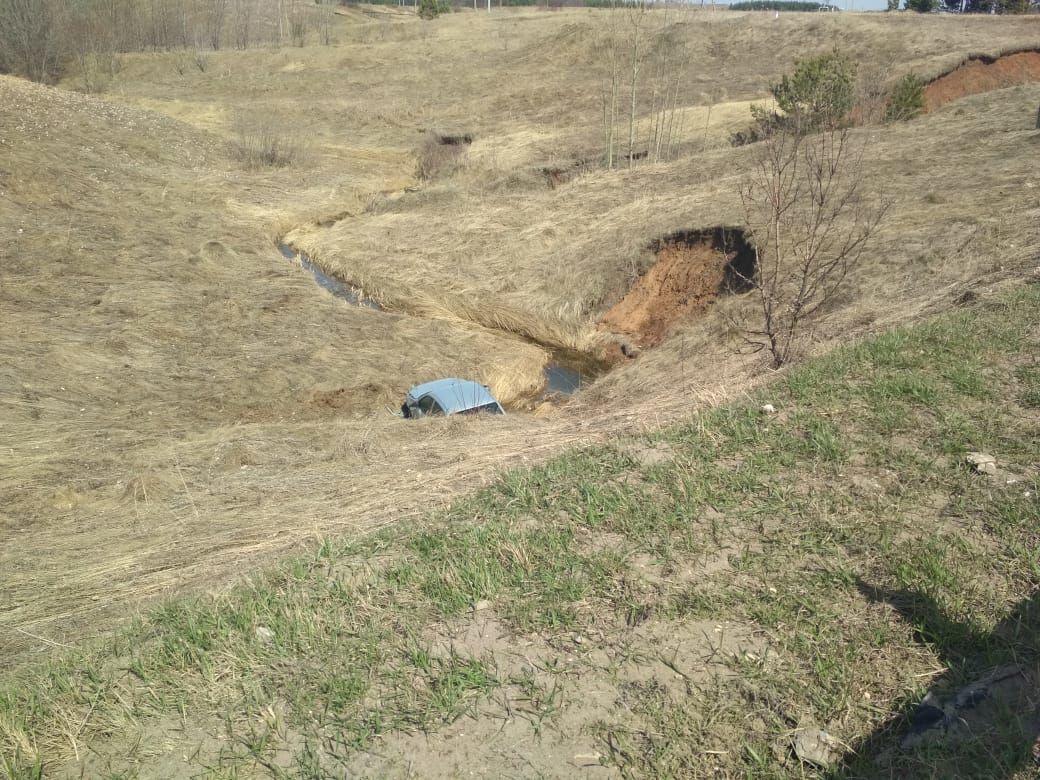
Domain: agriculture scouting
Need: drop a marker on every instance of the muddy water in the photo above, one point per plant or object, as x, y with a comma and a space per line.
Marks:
565, 374
568, 372
338, 288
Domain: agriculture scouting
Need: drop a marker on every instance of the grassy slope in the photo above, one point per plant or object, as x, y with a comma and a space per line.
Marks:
181, 405
671, 606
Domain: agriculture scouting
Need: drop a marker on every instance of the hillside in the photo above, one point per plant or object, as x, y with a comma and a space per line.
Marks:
181, 407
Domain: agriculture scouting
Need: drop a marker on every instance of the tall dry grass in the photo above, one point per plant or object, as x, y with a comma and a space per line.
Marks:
262, 142
178, 403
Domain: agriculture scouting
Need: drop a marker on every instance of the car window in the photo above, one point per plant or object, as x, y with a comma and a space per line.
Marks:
428, 405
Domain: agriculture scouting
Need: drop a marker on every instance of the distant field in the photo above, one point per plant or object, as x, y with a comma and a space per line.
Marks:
179, 405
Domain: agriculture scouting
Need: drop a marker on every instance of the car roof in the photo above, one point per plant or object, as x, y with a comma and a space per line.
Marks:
454, 395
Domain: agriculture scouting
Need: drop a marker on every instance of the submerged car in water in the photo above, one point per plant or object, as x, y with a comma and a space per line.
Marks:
449, 396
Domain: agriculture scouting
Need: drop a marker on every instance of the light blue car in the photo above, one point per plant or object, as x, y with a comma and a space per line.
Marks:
449, 396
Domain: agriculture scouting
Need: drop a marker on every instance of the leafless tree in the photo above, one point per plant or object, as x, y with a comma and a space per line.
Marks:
29, 38
637, 17
645, 57
811, 219
297, 18
669, 64
626, 48
325, 22
243, 21
611, 90
159, 24
216, 12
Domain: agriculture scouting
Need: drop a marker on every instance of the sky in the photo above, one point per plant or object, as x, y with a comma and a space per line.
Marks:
856, 5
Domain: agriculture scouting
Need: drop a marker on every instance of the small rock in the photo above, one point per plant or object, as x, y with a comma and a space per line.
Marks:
263, 633
768, 409
981, 462
817, 747
481, 605
587, 759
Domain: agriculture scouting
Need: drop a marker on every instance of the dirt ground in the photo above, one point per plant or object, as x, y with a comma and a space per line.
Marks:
977, 75
179, 405
683, 281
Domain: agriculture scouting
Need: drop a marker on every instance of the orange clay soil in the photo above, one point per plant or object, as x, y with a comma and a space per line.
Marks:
686, 279
982, 75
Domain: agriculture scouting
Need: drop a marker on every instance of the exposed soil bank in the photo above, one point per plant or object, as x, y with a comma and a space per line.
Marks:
692, 269
982, 74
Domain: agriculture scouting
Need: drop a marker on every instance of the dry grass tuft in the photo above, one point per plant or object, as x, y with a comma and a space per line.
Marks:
266, 143
440, 156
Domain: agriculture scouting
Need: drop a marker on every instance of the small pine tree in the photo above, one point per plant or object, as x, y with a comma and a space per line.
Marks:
906, 100
819, 94
430, 8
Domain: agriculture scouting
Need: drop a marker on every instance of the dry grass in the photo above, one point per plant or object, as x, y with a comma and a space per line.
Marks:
178, 403
440, 156
260, 143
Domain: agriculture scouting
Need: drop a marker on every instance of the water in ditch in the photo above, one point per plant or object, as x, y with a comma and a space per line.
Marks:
338, 288
565, 374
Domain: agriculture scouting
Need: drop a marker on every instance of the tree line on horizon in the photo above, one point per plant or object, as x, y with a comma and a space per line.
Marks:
45, 39
920, 6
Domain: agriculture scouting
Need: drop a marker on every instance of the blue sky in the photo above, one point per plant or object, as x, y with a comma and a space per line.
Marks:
857, 5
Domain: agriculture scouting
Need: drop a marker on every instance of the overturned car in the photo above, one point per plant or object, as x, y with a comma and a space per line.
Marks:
449, 396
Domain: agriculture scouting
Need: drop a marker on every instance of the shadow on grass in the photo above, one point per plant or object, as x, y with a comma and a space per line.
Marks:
981, 716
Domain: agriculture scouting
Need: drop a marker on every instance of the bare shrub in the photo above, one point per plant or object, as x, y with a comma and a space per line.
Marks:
325, 23
298, 26
806, 208
264, 143
96, 68
879, 98
440, 155
872, 89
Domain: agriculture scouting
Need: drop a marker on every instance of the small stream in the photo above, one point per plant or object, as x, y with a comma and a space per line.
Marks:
565, 374
342, 290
